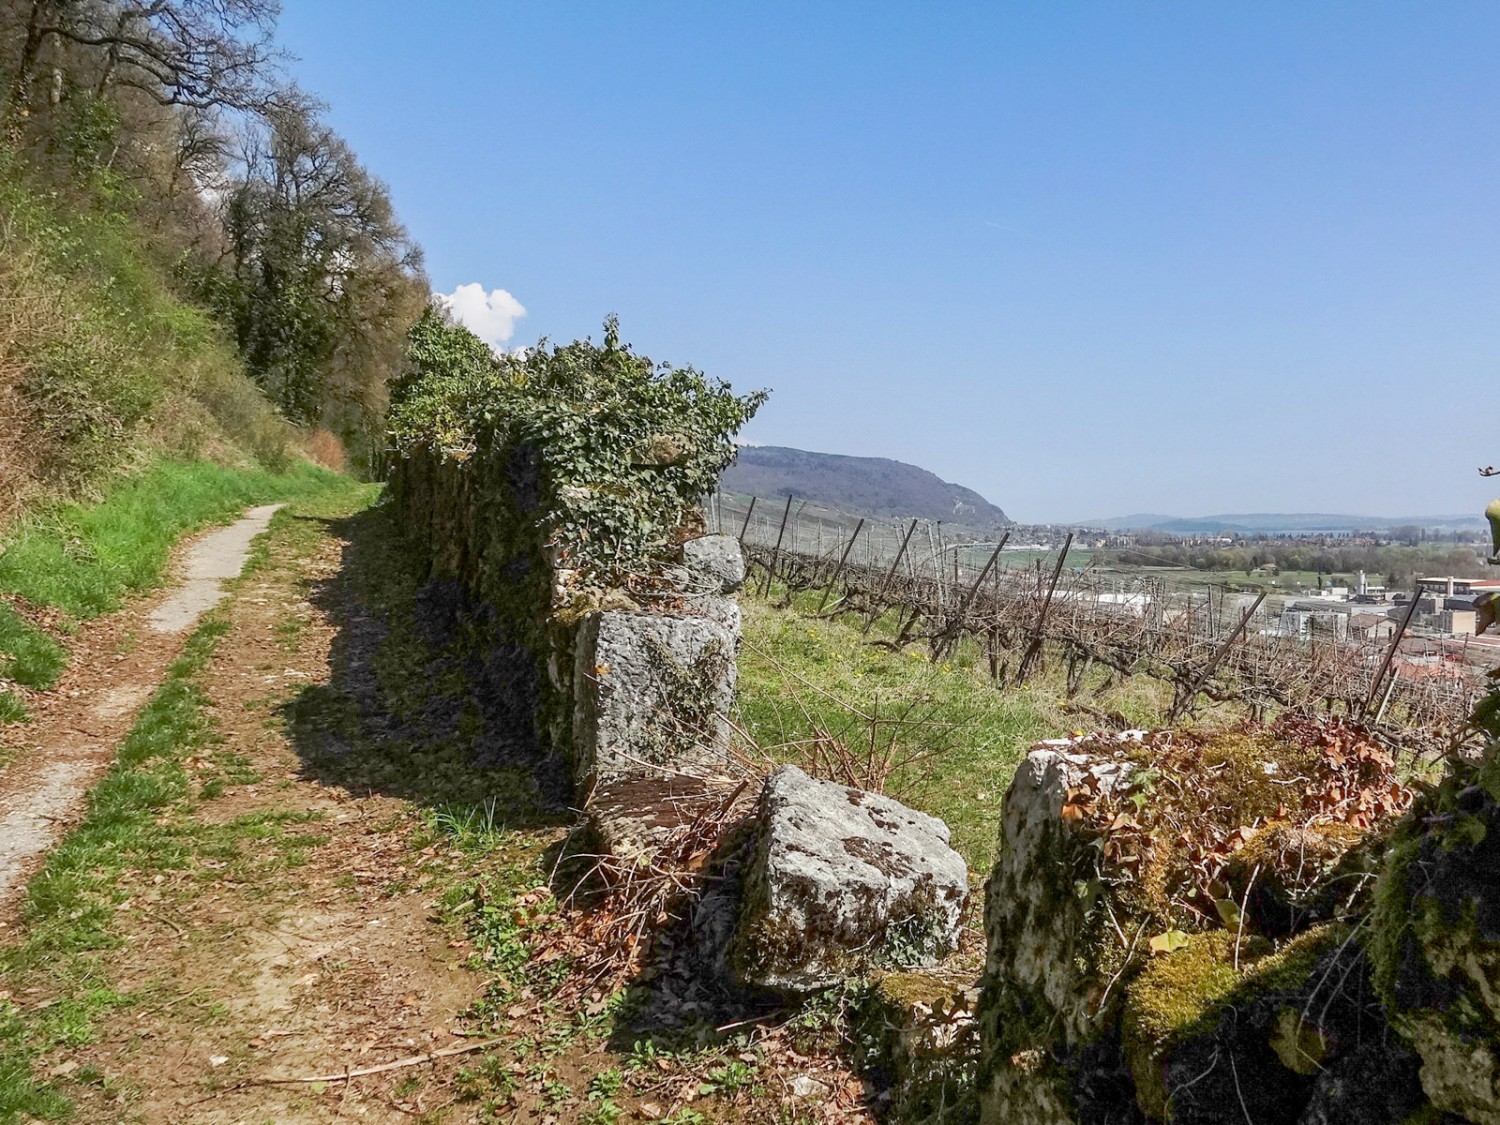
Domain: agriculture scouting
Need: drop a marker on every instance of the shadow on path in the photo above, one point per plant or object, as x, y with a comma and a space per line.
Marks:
421, 703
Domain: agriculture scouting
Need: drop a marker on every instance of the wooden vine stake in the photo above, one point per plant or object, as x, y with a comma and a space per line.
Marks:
1214, 661
744, 527
955, 627
891, 574
1034, 648
1390, 653
838, 570
776, 550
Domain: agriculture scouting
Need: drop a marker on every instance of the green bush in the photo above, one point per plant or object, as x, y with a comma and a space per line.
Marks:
620, 446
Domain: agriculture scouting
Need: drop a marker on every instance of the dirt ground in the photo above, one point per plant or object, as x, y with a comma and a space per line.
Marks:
358, 918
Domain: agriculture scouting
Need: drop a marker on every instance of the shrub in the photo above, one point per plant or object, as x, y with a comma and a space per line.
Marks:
620, 447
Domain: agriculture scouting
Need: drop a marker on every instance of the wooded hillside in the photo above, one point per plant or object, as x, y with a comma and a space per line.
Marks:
192, 262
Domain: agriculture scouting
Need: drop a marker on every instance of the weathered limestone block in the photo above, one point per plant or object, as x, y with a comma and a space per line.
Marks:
843, 881
715, 563
651, 691
919, 1026
1435, 943
1046, 990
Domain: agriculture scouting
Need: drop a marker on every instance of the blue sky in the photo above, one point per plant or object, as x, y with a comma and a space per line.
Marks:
1087, 258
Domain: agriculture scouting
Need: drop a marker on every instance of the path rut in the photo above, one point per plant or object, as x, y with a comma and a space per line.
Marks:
117, 662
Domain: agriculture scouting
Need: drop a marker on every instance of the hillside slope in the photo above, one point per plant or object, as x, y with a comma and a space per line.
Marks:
874, 486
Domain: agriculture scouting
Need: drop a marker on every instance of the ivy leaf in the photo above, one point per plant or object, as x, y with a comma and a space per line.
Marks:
1229, 913
1169, 942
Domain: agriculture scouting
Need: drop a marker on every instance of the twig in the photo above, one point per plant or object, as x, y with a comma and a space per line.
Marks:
1244, 906
414, 1060
154, 916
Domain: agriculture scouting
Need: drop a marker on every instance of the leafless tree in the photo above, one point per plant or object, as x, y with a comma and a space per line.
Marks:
194, 53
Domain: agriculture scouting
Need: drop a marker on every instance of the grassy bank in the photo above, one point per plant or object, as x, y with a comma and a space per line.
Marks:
102, 363
940, 737
85, 560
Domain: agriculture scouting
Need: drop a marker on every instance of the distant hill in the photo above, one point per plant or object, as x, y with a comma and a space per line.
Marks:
1271, 523
874, 486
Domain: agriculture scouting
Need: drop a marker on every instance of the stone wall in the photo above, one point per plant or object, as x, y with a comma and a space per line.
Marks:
610, 681
1340, 968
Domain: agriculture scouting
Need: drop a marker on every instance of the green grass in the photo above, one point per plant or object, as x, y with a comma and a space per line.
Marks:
797, 673
71, 904
962, 737
87, 559
27, 654
12, 708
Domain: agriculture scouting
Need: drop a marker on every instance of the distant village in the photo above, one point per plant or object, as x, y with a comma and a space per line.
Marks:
1444, 621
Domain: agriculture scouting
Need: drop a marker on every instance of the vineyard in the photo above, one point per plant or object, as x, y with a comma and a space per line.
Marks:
1218, 645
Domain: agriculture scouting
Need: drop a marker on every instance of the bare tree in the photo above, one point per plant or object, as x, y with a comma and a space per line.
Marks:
195, 53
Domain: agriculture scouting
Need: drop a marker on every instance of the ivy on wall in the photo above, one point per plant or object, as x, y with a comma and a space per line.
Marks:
623, 447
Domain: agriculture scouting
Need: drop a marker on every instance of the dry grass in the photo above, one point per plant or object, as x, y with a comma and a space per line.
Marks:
323, 448
102, 365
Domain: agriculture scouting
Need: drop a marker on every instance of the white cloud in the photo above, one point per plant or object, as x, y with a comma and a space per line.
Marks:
491, 316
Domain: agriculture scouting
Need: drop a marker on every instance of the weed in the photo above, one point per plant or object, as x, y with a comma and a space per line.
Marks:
728, 1079
12, 708
605, 1113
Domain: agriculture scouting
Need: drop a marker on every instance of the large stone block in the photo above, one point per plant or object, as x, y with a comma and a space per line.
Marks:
651, 692
842, 881
1046, 989
715, 563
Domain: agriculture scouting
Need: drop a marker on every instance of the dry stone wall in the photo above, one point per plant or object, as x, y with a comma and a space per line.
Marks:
1110, 998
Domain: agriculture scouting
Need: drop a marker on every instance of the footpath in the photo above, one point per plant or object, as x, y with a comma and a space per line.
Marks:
313, 888
118, 661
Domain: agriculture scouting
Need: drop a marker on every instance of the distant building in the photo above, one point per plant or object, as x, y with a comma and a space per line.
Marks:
1371, 626
1456, 621
1448, 587
1308, 623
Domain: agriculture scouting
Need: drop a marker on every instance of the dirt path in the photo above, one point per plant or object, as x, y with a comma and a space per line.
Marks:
117, 662
355, 877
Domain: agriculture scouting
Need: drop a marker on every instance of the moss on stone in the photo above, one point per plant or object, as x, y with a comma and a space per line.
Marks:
1184, 996
1434, 939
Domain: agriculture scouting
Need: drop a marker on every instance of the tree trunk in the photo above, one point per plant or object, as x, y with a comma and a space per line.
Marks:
32, 47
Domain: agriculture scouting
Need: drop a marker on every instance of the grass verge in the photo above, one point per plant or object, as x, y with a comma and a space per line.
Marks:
71, 904
85, 560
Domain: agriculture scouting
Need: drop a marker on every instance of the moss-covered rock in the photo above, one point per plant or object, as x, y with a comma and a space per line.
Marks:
1228, 1030
843, 882
919, 1031
1288, 877
1435, 940
1052, 953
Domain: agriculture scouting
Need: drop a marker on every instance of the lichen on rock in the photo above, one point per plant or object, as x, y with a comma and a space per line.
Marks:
842, 882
